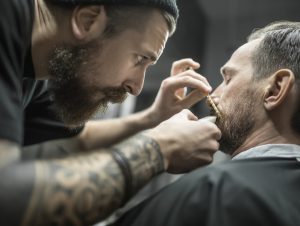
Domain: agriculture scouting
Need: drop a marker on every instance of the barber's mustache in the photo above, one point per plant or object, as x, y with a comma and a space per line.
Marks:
115, 94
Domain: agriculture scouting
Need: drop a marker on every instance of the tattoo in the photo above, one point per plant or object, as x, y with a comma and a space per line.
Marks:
85, 189
144, 157
76, 191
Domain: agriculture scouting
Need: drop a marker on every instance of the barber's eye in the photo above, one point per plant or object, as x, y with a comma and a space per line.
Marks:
141, 59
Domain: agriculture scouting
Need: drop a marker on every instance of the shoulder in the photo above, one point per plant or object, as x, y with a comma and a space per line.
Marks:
18, 16
242, 172
241, 190
238, 184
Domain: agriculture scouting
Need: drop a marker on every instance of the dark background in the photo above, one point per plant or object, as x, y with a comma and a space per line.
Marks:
209, 31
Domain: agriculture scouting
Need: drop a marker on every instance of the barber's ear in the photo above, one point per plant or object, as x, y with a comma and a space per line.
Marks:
280, 84
88, 22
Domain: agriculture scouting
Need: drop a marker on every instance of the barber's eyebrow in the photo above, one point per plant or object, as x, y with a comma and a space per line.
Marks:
151, 55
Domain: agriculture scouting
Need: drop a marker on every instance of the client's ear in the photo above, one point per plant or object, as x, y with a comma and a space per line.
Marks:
280, 84
88, 22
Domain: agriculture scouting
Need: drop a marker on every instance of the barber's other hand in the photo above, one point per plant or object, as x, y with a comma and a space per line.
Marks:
186, 142
171, 97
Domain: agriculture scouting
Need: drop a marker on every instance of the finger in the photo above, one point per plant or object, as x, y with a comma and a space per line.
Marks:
193, 74
212, 146
202, 157
192, 98
182, 65
189, 115
215, 132
218, 134
181, 93
171, 85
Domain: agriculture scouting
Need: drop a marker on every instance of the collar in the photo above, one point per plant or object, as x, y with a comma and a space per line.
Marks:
271, 150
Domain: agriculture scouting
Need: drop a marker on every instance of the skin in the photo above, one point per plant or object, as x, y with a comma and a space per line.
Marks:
273, 98
81, 184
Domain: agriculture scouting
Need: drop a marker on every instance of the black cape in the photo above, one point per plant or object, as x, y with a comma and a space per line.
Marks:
261, 191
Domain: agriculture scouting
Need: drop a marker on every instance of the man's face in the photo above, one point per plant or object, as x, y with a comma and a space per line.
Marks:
238, 99
85, 78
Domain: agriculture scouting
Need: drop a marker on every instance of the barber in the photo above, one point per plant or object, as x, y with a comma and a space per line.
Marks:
61, 61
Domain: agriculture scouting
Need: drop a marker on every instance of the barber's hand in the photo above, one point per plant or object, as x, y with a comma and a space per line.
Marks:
171, 97
186, 142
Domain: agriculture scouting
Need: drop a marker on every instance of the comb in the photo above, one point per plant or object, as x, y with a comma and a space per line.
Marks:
212, 104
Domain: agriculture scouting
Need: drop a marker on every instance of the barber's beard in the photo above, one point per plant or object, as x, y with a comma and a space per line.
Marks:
75, 98
237, 122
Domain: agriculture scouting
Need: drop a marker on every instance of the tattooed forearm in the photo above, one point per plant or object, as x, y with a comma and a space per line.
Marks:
77, 191
85, 189
144, 158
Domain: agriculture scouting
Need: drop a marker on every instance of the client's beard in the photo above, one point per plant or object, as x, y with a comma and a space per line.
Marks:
237, 122
75, 98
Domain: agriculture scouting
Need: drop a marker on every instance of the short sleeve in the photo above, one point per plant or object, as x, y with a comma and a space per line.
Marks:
16, 18
41, 123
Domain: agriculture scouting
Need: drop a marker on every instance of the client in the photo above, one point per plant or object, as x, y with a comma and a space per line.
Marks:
259, 101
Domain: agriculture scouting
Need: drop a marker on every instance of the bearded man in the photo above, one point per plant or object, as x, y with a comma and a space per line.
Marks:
259, 103
61, 62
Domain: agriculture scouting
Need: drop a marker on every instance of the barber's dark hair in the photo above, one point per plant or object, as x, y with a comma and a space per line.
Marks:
278, 49
121, 16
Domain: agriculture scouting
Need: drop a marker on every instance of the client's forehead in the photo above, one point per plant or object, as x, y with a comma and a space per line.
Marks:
241, 58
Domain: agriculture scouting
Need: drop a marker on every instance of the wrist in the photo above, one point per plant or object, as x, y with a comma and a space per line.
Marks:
164, 146
152, 117
140, 160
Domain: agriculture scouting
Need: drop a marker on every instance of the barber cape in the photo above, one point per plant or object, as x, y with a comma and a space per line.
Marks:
258, 187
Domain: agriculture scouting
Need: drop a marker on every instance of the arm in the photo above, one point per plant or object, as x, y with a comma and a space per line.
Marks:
80, 190
105, 133
98, 134
83, 189
86, 188
169, 101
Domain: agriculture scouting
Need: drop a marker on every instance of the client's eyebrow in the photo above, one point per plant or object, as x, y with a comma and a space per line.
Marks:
226, 70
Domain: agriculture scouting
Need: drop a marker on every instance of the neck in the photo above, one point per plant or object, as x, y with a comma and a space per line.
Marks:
44, 29
269, 133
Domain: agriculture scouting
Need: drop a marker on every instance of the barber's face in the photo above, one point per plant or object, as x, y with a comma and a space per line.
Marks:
238, 99
85, 78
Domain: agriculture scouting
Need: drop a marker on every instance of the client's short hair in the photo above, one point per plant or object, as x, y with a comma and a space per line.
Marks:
278, 49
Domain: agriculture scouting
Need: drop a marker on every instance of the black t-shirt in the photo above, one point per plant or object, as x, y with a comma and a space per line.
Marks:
260, 192
26, 111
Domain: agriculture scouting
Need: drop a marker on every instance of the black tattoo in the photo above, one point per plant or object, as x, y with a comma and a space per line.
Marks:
78, 191
144, 157
83, 190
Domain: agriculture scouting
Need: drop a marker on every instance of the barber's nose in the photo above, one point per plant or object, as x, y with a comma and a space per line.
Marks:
135, 85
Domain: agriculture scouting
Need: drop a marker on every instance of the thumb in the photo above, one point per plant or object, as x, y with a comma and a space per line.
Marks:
209, 118
189, 115
192, 98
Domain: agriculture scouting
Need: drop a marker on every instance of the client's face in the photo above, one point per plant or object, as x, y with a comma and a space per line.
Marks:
237, 99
